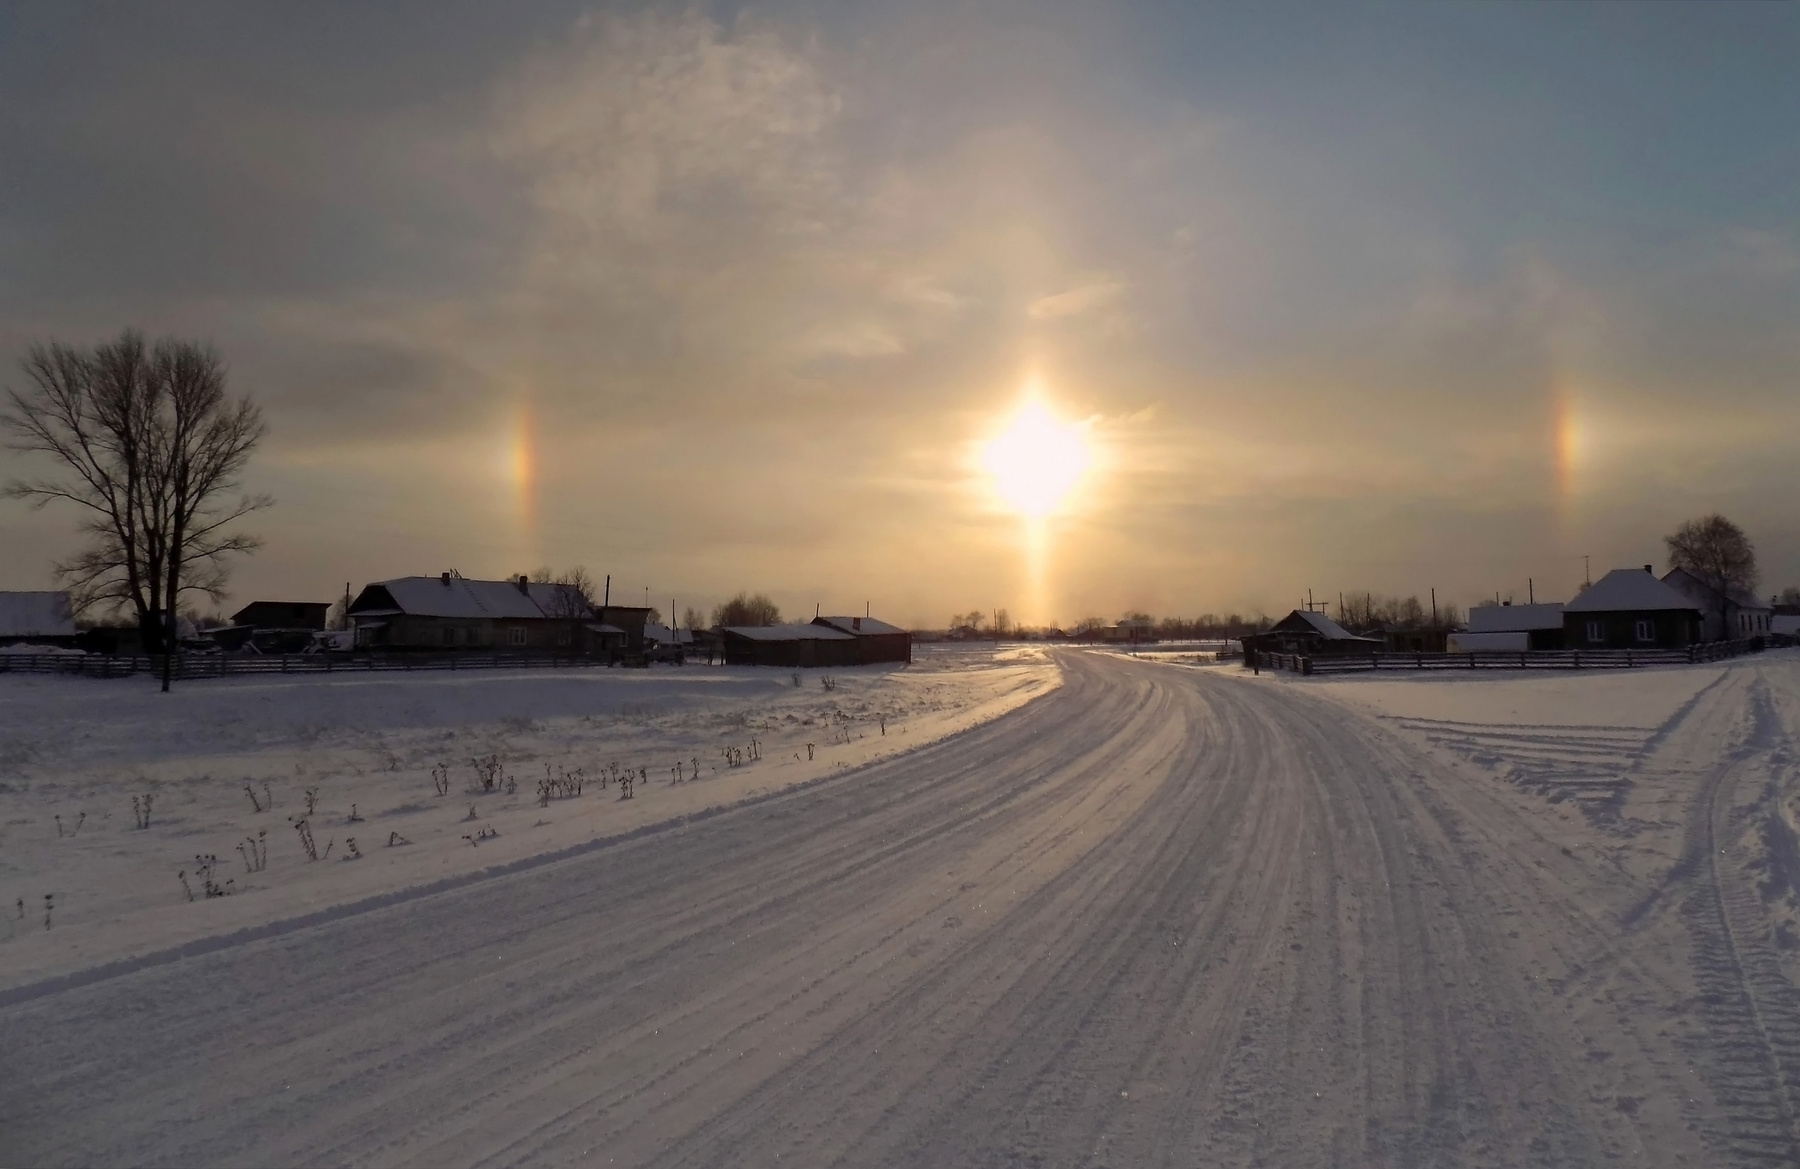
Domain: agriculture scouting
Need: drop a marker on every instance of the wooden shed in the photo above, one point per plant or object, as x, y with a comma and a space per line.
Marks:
876, 641
800, 646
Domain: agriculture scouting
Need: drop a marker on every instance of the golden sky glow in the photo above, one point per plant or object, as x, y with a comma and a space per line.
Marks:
1036, 461
722, 297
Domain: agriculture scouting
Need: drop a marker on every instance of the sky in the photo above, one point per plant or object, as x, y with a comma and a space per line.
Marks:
1474, 298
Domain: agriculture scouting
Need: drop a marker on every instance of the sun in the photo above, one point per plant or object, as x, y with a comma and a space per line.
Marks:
1037, 461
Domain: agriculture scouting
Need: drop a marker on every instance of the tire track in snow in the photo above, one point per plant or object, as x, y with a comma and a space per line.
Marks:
1752, 1009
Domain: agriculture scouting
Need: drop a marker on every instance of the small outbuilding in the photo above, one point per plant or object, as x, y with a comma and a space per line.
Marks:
788, 645
37, 618
309, 615
876, 641
1629, 609
1510, 627
1310, 633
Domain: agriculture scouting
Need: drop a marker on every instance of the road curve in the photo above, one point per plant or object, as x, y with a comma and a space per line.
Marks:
1156, 917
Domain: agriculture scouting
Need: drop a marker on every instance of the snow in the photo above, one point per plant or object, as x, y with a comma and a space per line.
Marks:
1628, 590
1325, 625
75, 745
459, 597
863, 625
796, 632
1156, 913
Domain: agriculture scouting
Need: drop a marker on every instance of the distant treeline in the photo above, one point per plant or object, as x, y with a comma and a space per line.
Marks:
1359, 611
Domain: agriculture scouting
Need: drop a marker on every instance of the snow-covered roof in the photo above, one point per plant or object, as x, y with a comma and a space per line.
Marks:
663, 635
558, 600
1704, 594
1322, 625
1514, 618
789, 632
1629, 590
45, 614
867, 626
456, 596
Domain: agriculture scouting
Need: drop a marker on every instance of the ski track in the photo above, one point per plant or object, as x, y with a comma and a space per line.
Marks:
1156, 917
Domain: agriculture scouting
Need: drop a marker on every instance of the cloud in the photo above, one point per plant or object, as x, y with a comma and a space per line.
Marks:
1076, 301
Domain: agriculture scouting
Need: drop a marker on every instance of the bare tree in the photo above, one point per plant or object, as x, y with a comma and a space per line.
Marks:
748, 609
693, 618
1716, 552
974, 620
569, 598
150, 446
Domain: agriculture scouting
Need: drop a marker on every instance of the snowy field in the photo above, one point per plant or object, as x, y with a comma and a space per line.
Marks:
80, 750
1138, 911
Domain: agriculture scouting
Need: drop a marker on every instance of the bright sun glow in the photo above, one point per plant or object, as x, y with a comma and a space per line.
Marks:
1036, 461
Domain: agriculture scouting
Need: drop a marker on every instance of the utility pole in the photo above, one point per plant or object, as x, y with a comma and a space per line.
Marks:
1587, 573
1434, 619
1530, 592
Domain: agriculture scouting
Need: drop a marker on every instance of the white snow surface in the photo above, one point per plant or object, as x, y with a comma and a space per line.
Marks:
1161, 913
70, 746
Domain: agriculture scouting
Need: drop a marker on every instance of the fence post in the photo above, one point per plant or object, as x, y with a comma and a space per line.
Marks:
1577, 659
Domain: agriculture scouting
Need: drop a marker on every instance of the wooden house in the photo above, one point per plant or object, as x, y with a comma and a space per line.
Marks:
1629, 609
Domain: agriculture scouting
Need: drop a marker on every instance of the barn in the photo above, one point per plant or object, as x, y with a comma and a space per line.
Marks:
788, 645
876, 641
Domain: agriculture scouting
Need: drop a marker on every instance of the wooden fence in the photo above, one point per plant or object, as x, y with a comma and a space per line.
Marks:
1563, 659
189, 666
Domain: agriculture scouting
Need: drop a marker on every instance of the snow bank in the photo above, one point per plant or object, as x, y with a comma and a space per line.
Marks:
367, 746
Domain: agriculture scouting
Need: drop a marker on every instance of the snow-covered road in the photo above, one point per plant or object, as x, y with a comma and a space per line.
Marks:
1156, 917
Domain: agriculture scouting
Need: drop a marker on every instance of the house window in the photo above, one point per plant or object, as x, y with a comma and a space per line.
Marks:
515, 635
1594, 633
1646, 630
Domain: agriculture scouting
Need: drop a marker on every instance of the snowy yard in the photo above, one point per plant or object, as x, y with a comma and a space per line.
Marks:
698, 737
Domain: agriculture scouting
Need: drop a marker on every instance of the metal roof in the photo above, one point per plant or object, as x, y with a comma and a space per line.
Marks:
36, 614
1629, 590
1515, 618
1322, 625
456, 596
789, 633
866, 626
1697, 590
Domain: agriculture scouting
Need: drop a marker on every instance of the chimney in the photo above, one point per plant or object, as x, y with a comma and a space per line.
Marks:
446, 579
524, 584
1650, 568
856, 624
